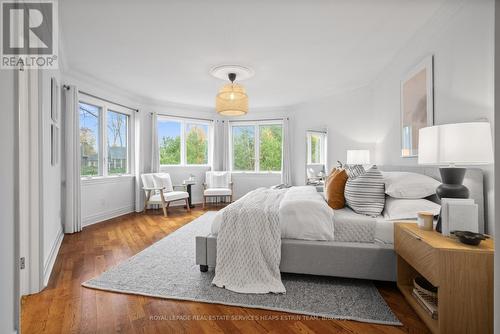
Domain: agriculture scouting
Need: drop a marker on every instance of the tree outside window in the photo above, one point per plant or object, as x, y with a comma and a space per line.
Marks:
183, 143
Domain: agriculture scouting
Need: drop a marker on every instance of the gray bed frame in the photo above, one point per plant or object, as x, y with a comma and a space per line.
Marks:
374, 261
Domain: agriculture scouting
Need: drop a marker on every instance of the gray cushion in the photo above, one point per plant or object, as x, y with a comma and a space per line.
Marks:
365, 194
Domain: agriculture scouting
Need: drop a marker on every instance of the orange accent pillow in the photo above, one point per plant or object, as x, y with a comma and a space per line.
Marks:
334, 188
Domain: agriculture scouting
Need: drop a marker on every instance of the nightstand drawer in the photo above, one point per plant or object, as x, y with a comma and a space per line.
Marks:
417, 253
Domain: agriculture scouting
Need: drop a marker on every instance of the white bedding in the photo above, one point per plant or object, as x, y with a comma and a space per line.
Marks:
305, 215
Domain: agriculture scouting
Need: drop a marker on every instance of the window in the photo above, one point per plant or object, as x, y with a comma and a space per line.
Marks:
117, 143
89, 139
243, 148
169, 142
183, 142
256, 147
104, 138
316, 145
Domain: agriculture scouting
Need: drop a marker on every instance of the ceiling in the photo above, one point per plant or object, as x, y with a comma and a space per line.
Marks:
299, 50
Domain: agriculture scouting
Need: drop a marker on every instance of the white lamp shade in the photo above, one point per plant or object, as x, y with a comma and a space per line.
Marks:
456, 144
358, 157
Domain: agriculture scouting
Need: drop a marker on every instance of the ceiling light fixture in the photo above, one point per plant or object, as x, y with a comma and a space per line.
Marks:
232, 99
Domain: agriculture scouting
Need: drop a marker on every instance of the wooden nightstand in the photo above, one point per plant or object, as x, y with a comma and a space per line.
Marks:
462, 273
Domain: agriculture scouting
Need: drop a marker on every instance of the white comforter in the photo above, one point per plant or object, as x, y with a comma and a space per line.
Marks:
249, 244
303, 214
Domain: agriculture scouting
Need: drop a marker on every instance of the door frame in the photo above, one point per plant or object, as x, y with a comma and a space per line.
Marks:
29, 195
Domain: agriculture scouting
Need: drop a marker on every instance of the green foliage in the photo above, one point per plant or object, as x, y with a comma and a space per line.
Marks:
170, 151
196, 146
270, 147
89, 170
314, 149
243, 149
270, 141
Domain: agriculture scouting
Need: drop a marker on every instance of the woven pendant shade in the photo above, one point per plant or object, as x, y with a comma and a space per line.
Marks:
232, 100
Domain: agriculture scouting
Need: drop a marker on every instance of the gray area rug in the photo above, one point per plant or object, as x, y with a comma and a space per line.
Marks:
167, 270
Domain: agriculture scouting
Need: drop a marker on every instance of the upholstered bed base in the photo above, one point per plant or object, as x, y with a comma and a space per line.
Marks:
374, 261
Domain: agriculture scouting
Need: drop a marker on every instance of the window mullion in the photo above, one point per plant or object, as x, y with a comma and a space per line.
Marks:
257, 148
104, 144
183, 144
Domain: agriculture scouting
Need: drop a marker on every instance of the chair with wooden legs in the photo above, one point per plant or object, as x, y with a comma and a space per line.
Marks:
159, 190
218, 185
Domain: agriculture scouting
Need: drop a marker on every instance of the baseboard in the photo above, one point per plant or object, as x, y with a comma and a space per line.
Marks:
102, 216
54, 250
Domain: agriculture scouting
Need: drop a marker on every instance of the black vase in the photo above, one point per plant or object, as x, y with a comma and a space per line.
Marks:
451, 186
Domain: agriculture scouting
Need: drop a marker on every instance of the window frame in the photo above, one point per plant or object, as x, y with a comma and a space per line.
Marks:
256, 125
183, 151
322, 147
103, 132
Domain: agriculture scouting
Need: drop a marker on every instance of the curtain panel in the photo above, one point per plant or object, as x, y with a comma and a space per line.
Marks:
71, 168
286, 170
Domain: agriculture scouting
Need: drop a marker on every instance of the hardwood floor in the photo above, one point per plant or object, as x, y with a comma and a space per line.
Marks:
67, 307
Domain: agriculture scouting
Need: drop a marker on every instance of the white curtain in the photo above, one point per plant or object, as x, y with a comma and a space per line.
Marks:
286, 172
221, 146
71, 169
139, 162
155, 151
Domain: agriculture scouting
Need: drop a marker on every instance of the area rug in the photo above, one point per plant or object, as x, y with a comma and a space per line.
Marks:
167, 270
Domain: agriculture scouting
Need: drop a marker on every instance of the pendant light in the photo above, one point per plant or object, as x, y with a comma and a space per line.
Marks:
232, 99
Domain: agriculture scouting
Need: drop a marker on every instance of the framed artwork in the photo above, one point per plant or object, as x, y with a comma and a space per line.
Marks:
417, 105
54, 107
54, 144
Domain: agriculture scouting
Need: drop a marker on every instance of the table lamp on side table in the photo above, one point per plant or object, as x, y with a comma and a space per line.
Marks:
452, 145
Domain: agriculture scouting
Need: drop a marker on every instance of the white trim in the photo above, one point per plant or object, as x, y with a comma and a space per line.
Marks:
103, 216
30, 186
105, 179
51, 260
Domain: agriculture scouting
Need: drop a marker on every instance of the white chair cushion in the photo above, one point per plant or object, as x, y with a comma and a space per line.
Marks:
217, 192
169, 197
175, 195
162, 180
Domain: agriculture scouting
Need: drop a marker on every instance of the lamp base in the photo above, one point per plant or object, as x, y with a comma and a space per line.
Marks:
451, 186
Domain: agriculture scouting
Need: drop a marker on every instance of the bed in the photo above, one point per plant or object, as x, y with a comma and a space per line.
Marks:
341, 255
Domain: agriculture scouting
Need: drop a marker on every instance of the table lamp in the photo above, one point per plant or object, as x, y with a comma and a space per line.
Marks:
453, 145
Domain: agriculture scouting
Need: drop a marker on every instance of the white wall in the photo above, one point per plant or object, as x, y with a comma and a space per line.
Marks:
8, 236
349, 122
460, 37
105, 198
51, 178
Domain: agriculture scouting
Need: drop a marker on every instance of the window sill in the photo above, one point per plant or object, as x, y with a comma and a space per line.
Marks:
185, 166
254, 173
106, 179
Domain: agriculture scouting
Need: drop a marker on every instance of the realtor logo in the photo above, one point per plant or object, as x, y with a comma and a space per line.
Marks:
29, 35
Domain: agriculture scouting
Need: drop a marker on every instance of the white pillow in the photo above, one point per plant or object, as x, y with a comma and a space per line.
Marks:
409, 185
397, 208
163, 180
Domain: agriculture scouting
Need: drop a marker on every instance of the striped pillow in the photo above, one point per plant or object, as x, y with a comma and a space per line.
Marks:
354, 171
365, 194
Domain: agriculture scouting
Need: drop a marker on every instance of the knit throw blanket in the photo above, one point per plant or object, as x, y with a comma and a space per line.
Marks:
249, 244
